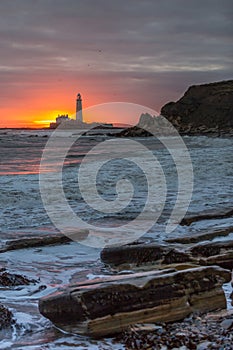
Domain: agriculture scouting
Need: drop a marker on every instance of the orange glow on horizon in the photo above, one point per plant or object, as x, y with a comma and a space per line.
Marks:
30, 118
39, 108
43, 123
44, 120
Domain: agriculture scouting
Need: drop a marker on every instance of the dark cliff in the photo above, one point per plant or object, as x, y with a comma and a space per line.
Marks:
206, 108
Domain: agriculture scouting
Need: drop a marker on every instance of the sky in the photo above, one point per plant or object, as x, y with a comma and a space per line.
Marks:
139, 51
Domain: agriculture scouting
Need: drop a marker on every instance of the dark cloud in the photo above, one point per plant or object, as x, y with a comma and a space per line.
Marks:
137, 49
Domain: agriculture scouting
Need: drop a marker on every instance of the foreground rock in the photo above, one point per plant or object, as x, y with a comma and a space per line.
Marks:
204, 109
108, 306
6, 317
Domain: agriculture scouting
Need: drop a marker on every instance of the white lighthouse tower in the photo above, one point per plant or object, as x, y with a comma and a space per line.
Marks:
79, 112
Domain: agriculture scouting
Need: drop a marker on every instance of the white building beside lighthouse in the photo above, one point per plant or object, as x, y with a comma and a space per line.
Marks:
79, 109
67, 123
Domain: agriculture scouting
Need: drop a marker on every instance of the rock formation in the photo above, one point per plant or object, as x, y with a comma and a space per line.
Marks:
166, 282
149, 125
107, 306
203, 110
206, 108
34, 241
6, 317
149, 256
8, 279
140, 254
223, 213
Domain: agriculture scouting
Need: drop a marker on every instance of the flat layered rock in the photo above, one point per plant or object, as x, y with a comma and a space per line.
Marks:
107, 306
207, 249
36, 241
150, 256
137, 254
224, 260
202, 235
214, 253
207, 215
142, 254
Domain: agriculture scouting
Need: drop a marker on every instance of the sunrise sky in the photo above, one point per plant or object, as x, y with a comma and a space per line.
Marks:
146, 52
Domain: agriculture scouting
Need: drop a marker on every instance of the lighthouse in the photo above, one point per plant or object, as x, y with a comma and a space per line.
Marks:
79, 113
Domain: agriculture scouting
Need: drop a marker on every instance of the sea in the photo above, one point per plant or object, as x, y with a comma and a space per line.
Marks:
23, 214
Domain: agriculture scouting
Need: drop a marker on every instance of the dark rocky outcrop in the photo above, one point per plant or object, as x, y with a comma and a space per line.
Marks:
149, 125
135, 253
207, 249
149, 256
138, 255
204, 109
8, 279
6, 317
224, 260
214, 253
107, 306
134, 131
